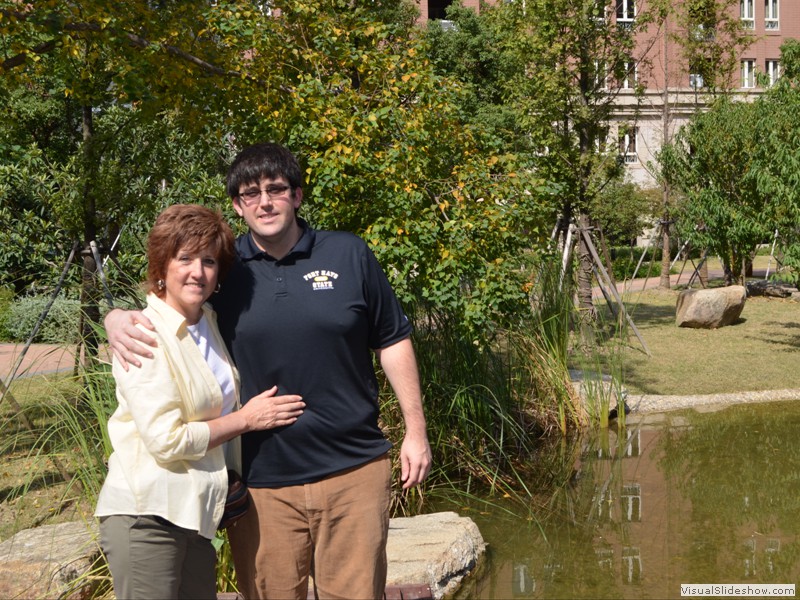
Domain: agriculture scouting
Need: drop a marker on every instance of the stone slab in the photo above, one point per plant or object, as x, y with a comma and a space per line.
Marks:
45, 562
429, 555
439, 549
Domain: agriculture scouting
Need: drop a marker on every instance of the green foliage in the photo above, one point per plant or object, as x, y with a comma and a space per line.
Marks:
738, 164
6, 299
59, 327
712, 162
623, 210
776, 161
624, 260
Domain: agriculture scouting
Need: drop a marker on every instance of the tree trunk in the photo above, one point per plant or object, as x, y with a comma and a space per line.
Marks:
90, 306
90, 290
666, 259
666, 249
702, 274
586, 308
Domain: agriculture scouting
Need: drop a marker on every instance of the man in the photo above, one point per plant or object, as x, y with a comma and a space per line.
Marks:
303, 309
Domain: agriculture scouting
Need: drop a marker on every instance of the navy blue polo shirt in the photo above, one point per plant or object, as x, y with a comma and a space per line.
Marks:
307, 323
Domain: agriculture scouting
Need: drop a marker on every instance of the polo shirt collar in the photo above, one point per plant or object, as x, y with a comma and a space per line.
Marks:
248, 250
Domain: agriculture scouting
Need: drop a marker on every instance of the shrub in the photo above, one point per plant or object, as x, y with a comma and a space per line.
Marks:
60, 326
6, 298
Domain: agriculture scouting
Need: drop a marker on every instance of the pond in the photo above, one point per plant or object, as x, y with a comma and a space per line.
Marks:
670, 499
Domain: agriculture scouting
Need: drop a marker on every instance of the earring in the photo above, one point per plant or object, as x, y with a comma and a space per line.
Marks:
217, 289
160, 283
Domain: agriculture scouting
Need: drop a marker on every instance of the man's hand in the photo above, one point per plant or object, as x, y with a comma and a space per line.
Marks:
400, 367
415, 460
124, 336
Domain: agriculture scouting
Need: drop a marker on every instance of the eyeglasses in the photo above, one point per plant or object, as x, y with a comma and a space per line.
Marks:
273, 192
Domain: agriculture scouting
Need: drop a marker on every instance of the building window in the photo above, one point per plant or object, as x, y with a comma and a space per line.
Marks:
599, 11
748, 73
600, 75
773, 71
437, 9
695, 81
771, 21
630, 75
747, 13
626, 11
627, 144
601, 139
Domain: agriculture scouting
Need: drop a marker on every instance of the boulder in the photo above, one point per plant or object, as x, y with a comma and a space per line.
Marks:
711, 308
49, 561
438, 549
772, 289
429, 556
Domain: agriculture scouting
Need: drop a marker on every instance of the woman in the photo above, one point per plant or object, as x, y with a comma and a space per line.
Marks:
167, 482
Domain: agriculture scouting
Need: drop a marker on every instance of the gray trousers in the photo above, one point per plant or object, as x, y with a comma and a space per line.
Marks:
151, 558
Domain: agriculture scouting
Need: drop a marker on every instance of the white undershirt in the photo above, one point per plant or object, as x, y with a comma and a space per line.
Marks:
214, 358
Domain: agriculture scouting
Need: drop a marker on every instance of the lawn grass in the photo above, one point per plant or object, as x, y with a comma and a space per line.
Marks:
759, 352
32, 491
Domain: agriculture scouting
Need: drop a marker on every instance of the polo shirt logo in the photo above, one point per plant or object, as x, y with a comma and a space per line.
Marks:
321, 279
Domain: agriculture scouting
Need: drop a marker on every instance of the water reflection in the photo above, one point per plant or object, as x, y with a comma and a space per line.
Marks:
671, 499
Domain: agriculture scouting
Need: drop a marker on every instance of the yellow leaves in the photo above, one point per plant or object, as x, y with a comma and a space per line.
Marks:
408, 76
412, 51
372, 118
444, 205
445, 254
400, 231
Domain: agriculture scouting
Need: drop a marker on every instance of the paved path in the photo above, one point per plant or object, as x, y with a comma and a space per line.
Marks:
637, 285
39, 359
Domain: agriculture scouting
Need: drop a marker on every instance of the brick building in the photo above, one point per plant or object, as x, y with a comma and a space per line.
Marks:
667, 78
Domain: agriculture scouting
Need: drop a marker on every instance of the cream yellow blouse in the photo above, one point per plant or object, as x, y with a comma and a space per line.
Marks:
161, 464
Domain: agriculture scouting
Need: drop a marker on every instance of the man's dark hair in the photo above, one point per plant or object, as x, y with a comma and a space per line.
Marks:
260, 161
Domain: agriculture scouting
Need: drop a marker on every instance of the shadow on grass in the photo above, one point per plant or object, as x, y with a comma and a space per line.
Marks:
651, 315
787, 342
41, 482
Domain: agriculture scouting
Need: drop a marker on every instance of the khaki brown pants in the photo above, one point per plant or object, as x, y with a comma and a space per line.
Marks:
335, 530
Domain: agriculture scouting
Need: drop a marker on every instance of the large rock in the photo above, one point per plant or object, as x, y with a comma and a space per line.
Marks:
427, 552
439, 549
772, 289
709, 309
49, 561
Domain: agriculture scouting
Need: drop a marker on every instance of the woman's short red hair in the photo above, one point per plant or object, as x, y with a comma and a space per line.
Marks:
189, 227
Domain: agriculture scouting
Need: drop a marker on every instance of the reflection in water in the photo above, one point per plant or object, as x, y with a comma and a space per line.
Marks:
671, 499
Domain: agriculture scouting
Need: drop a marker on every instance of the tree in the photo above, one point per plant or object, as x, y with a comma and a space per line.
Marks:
709, 37
712, 162
347, 87
574, 60
776, 165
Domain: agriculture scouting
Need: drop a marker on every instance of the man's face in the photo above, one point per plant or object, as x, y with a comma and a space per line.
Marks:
269, 208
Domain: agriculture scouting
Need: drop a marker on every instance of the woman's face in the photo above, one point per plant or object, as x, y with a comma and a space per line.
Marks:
190, 280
